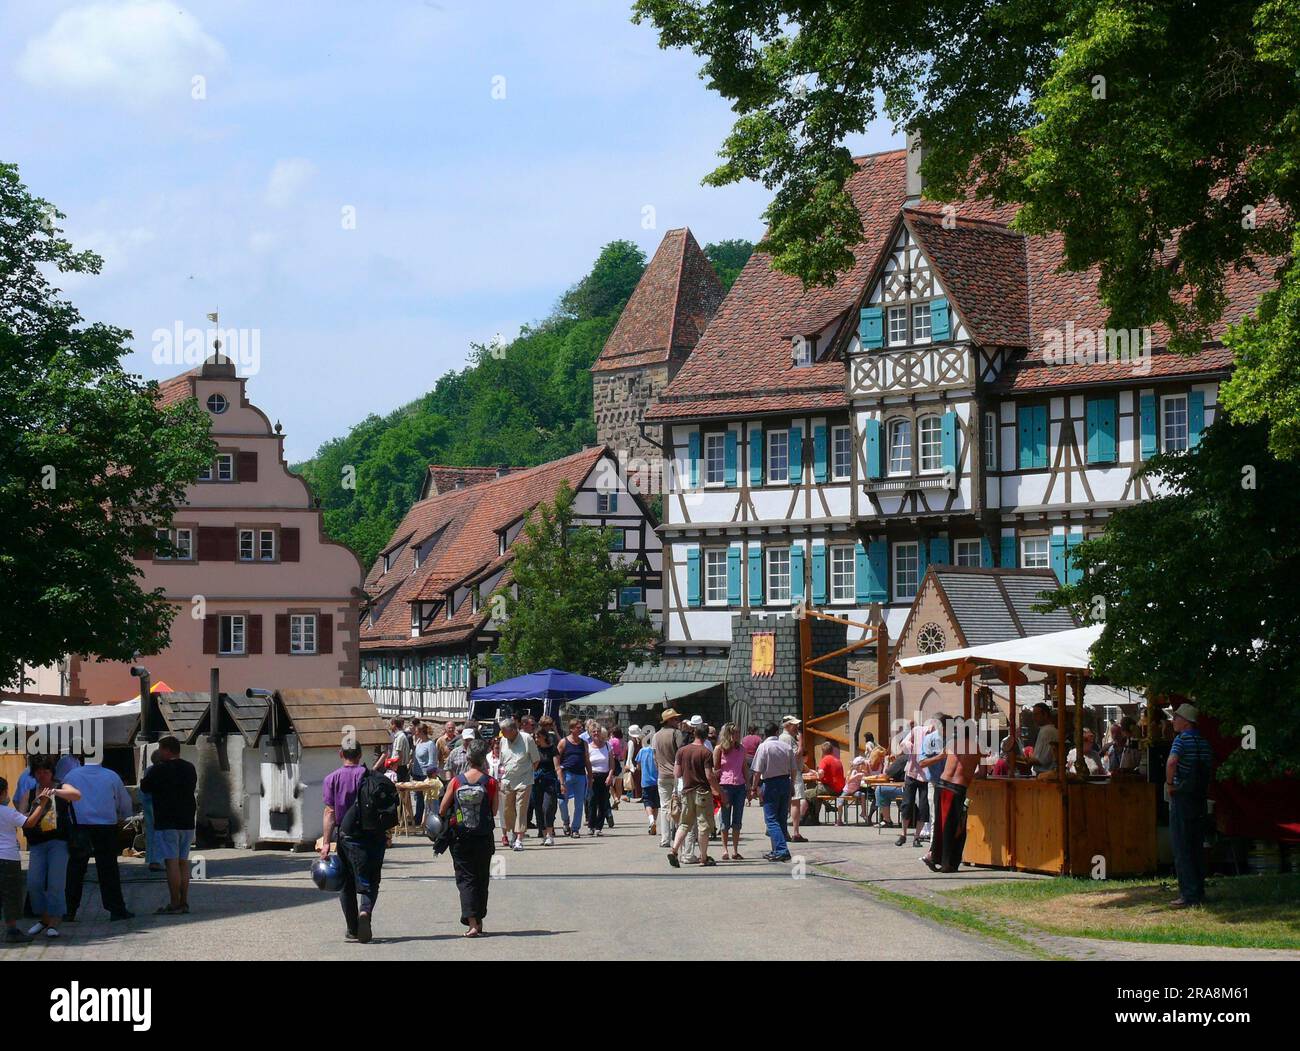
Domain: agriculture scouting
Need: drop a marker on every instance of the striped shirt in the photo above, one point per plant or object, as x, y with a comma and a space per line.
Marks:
1195, 762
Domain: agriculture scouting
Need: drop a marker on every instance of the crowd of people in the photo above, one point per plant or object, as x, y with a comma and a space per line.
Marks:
70, 813
480, 786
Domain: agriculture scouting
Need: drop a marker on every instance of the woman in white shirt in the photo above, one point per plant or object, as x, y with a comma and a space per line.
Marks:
598, 806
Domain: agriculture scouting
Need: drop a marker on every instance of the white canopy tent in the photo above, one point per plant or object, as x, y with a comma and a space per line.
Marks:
1058, 650
117, 721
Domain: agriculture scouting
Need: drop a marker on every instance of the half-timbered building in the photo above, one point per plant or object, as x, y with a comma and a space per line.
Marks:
429, 619
955, 398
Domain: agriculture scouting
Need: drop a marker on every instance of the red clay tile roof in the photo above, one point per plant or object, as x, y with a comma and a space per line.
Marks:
443, 479
1008, 287
746, 349
982, 268
467, 548
670, 307
175, 390
1033, 374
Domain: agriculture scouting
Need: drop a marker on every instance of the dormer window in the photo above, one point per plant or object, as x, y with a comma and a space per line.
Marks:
803, 350
501, 543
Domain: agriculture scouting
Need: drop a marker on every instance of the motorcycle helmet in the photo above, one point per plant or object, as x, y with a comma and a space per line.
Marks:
432, 824
327, 873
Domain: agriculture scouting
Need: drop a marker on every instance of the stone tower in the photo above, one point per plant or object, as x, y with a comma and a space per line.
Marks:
671, 306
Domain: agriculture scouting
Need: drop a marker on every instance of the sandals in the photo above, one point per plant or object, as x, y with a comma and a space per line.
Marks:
709, 863
172, 910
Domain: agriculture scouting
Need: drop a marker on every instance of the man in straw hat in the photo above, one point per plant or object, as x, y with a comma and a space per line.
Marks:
1187, 781
666, 743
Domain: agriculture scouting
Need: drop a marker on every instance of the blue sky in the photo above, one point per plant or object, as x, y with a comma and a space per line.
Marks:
472, 213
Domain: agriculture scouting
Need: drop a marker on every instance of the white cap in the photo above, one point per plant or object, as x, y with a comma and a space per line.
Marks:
467, 734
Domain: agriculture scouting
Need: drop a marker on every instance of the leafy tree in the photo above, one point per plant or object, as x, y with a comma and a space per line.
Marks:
609, 285
522, 404
729, 259
1121, 123
1200, 591
89, 463
566, 578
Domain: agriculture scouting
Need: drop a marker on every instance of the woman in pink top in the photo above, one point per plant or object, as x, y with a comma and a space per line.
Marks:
731, 763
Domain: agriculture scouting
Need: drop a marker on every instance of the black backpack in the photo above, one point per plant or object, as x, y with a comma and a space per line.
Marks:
375, 808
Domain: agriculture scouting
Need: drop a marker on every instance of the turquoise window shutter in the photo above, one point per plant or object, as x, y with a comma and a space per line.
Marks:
922, 560
796, 573
878, 577
796, 455
1040, 436
1058, 556
1008, 552
875, 450
693, 454
949, 441
940, 327
755, 576
1195, 418
819, 573
871, 327
986, 553
820, 469
861, 575
1108, 432
1025, 436
1072, 573
1101, 430
733, 575
939, 554
613, 502
693, 576
1147, 412
729, 458
756, 457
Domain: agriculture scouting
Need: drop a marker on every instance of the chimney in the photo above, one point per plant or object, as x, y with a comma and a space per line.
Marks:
502, 470
214, 704
147, 704
915, 155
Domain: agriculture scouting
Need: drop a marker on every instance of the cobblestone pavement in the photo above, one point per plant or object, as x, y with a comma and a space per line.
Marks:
569, 901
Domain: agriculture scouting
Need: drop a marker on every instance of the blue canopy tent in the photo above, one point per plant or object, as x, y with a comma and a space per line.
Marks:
539, 692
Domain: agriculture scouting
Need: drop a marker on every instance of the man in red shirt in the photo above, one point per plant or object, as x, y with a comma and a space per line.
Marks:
830, 773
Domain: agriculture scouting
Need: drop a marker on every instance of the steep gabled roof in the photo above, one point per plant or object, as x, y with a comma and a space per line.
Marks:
466, 522
670, 307
1009, 288
992, 605
746, 349
982, 268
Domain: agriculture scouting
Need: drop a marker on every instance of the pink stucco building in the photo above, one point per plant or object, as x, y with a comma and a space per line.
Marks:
261, 594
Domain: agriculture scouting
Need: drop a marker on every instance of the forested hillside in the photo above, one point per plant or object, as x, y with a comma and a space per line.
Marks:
522, 403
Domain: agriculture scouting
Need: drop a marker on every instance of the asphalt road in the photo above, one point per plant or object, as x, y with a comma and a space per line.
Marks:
575, 900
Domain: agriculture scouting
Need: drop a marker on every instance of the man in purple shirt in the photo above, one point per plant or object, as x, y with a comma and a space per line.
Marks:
361, 853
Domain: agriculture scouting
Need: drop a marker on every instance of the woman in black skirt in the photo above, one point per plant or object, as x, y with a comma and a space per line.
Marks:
469, 803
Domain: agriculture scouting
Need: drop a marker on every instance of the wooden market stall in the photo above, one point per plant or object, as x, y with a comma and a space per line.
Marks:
1058, 823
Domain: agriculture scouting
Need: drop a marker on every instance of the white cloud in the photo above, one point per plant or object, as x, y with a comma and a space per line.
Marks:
140, 50
288, 179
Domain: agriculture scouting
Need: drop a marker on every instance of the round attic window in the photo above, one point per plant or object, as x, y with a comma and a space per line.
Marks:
930, 639
217, 404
